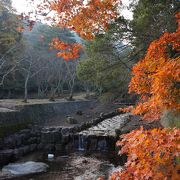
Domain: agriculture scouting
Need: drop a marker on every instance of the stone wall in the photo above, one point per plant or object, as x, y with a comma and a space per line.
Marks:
49, 139
67, 138
38, 113
19, 144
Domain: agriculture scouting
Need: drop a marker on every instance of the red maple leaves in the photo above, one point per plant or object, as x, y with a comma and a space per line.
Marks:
156, 77
152, 154
67, 51
86, 19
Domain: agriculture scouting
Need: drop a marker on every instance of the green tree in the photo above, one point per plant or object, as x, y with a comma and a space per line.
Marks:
11, 44
9, 22
150, 20
105, 65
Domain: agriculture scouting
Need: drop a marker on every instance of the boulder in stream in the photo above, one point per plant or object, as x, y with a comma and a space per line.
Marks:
30, 167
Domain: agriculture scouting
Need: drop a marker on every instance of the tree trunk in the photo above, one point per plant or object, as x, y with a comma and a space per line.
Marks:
52, 95
86, 87
40, 92
71, 94
26, 89
71, 87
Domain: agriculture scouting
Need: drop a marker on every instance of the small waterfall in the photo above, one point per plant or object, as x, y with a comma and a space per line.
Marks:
90, 143
81, 142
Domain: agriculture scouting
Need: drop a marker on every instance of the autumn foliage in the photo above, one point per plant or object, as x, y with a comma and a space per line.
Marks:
125, 110
87, 18
66, 51
152, 154
156, 77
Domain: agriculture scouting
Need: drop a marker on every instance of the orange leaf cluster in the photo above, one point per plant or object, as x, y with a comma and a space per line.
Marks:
20, 29
152, 154
156, 78
126, 109
87, 18
67, 51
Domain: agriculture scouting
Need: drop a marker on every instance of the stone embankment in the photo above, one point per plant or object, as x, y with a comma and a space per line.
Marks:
104, 135
11, 115
19, 144
108, 127
99, 134
86, 136
70, 138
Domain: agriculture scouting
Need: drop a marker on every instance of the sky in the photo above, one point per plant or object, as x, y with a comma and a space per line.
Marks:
22, 6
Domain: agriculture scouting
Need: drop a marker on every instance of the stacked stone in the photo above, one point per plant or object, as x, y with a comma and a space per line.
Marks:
50, 139
102, 136
21, 143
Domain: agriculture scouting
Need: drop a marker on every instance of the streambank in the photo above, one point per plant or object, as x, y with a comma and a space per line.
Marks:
73, 166
49, 139
38, 113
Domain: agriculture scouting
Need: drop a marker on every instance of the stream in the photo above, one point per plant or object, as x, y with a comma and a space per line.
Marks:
86, 155
73, 166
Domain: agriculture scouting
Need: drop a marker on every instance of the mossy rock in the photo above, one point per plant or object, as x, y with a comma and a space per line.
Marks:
170, 119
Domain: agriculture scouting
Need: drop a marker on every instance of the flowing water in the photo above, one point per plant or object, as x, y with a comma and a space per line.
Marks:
81, 143
83, 163
74, 166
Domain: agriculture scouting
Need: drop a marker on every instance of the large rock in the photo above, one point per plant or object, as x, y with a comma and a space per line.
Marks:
30, 167
71, 120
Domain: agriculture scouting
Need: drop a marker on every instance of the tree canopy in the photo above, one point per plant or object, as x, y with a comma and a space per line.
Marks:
156, 77
143, 52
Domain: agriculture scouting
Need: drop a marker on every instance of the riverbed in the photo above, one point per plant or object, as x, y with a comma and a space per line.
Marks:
73, 166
